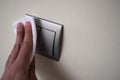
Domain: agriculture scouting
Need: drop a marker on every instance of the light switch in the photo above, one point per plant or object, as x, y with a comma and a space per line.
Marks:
45, 42
49, 38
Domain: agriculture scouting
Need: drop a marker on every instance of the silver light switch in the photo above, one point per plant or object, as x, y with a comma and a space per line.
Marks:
49, 38
45, 42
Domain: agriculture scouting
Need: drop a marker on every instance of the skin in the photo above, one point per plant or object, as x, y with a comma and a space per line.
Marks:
18, 66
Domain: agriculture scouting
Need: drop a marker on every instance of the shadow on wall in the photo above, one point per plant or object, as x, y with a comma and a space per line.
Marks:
48, 69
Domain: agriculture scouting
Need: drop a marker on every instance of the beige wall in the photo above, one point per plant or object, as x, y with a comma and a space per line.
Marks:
91, 44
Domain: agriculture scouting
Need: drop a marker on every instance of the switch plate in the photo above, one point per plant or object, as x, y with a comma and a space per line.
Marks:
49, 38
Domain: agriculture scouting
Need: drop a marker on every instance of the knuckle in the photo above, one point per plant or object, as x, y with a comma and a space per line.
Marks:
17, 45
28, 32
21, 65
26, 43
19, 40
19, 33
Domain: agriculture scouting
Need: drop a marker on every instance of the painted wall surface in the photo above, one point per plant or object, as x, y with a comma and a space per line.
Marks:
91, 43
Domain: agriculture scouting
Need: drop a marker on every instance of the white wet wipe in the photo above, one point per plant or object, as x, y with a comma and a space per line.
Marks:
34, 32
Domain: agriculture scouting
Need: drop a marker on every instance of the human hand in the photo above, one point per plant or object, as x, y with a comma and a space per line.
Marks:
18, 66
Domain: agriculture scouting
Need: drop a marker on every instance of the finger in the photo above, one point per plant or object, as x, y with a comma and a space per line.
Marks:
17, 45
26, 48
32, 74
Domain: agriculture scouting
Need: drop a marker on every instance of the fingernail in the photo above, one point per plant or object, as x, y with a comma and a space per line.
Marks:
28, 23
19, 25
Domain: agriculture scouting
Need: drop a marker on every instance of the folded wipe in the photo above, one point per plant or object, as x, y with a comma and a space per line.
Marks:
34, 32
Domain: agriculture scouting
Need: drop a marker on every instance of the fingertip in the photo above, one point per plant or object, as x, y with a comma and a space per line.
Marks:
28, 27
28, 30
20, 24
28, 24
20, 27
